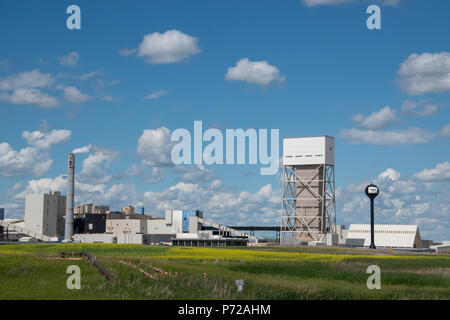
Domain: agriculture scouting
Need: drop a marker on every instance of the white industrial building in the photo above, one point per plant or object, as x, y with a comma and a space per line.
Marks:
44, 213
440, 248
126, 226
139, 228
178, 227
175, 221
386, 236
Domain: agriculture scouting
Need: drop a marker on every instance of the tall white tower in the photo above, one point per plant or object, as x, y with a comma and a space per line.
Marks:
68, 232
308, 210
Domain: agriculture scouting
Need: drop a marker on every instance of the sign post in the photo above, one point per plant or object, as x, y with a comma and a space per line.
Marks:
372, 191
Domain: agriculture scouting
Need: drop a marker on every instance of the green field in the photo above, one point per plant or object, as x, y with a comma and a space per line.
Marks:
30, 271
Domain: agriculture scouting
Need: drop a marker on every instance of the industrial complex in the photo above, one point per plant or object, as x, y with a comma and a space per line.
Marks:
308, 214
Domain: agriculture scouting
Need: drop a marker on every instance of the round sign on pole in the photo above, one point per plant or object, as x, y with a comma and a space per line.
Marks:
372, 191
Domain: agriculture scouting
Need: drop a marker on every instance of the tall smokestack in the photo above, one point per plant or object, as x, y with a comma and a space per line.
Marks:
68, 232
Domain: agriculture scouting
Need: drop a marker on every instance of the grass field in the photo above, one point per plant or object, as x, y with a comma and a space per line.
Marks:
30, 271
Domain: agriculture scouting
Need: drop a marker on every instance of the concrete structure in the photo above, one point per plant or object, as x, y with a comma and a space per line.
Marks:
127, 209
89, 208
386, 236
159, 226
426, 243
444, 247
90, 223
68, 231
44, 213
84, 208
175, 221
342, 232
308, 191
101, 209
126, 226
95, 238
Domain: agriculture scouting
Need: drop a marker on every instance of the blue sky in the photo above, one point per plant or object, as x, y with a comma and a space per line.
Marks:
327, 75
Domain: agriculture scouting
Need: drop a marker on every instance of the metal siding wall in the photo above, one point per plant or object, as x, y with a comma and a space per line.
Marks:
398, 236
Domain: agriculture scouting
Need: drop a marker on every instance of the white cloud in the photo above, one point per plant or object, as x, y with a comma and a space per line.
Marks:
439, 173
34, 160
156, 94
70, 60
43, 185
125, 52
108, 98
27, 161
390, 2
424, 73
31, 79
387, 138
219, 204
195, 174
154, 147
153, 175
116, 195
74, 95
445, 132
44, 140
259, 72
314, 3
378, 120
89, 75
96, 165
168, 47
389, 174
421, 108
30, 96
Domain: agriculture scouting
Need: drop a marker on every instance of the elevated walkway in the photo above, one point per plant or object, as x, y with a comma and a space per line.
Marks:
228, 229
